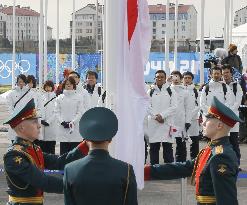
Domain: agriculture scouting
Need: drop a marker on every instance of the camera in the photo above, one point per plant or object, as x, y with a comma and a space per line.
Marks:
175, 77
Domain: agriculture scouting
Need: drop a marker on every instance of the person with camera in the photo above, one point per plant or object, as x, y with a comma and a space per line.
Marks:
237, 91
233, 59
182, 117
96, 95
163, 104
193, 106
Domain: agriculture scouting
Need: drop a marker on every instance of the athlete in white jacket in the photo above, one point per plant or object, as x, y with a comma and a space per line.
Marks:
49, 120
69, 108
163, 103
182, 116
19, 97
237, 92
193, 108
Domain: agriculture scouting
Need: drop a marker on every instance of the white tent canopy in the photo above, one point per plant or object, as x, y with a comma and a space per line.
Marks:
239, 37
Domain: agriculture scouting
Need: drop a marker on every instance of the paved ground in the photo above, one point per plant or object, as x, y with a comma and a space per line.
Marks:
154, 193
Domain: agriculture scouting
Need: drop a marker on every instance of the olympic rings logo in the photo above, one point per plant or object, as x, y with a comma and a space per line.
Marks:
6, 68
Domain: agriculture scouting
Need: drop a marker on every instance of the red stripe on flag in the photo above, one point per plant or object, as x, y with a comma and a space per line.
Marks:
132, 9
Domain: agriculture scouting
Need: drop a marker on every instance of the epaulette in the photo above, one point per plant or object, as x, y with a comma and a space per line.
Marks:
20, 149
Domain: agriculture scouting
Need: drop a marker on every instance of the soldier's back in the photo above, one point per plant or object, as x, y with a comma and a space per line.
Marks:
99, 179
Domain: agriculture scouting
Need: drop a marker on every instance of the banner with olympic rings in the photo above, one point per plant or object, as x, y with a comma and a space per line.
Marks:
25, 63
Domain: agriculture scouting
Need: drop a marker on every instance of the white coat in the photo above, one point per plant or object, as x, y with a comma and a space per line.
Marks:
14, 96
215, 89
69, 108
165, 105
95, 100
182, 114
236, 103
83, 95
193, 109
48, 114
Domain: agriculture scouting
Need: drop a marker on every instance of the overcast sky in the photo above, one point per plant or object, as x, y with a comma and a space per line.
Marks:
214, 12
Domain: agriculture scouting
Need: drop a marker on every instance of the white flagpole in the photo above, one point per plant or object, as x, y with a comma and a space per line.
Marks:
41, 43
231, 20
167, 69
176, 36
113, 43
57, 46
104, 45
202, 46
226, 29
73, 36
45, 42
13, 41
112, 40
228, 20
96, 26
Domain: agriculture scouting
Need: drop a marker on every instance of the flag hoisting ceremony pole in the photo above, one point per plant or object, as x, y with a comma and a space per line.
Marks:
45, 42
57, 46
41, 44
13, 40
176, 37
167, 38
202, 46
73, 37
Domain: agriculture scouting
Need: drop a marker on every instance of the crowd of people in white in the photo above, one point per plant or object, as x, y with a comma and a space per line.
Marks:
60, 108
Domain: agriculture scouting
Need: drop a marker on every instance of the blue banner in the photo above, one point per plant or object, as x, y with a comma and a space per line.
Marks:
185, 62
29, 64
25, 63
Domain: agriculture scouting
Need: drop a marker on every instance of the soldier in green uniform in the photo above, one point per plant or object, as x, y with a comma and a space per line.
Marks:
215, 169
98, 178
25, 162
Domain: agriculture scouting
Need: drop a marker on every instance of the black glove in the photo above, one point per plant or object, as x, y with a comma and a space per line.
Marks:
65, 124
43, 122
187, 126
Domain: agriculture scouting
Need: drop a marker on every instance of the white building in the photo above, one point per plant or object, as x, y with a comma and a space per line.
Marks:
26, 21
240, 17
85, 22
187, 22
49, 33
2, 26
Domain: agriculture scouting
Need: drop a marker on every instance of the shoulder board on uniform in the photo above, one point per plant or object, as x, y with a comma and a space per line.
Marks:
21, 150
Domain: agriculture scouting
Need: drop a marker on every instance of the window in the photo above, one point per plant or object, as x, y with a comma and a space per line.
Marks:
154, 31
154, 24
163, 32
163, 25
154, 37
89, 31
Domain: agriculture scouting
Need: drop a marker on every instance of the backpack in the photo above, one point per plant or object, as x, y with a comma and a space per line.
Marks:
167, 89
235, 85
196, 95
99, 91
223, 86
